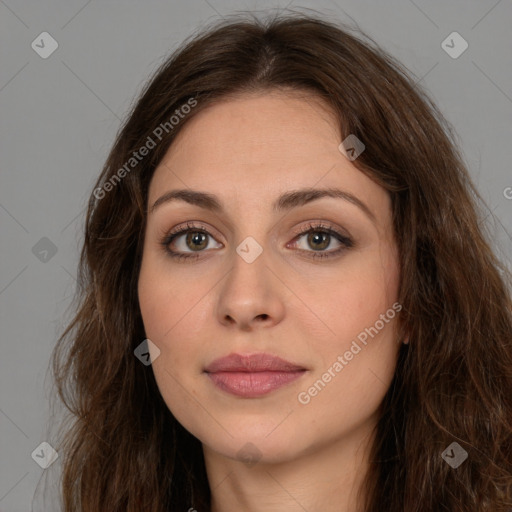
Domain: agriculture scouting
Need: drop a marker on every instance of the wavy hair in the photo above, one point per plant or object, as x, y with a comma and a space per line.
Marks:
125, 452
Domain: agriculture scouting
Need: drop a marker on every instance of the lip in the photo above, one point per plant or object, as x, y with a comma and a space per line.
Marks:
254, 375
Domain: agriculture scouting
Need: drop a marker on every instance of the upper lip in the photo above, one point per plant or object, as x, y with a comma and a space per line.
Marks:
251, 363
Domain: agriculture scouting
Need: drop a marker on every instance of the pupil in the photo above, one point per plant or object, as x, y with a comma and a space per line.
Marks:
317, 238
197, 240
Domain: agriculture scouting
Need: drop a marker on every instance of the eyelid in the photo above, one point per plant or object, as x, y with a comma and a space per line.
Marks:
321, 225
345, 241
199, 226
180, 230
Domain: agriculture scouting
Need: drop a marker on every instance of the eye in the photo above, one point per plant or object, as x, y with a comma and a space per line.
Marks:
187, 240
320, 237
190, 241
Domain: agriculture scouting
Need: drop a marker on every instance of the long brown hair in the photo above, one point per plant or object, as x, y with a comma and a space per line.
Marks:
453, 383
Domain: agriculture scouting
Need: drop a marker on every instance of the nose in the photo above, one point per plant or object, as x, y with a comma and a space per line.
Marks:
251, 295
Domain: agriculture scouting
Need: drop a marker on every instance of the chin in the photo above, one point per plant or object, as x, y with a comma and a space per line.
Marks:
256, 445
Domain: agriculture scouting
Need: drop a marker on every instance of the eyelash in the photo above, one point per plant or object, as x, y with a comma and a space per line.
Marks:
346, 242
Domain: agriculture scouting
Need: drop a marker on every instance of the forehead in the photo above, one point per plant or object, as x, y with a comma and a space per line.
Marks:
250, 149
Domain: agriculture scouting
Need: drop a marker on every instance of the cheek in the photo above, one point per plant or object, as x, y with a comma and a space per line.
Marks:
358, 358
174, 319
351, 298
173, 309
170, 322
165, 298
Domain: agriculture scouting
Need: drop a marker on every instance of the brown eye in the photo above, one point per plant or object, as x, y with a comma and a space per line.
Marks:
318, 240
188, 241
196, 240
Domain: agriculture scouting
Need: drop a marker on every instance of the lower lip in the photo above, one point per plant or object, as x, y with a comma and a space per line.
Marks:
254, 384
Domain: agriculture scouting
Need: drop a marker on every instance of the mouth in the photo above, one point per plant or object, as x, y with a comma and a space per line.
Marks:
252, 376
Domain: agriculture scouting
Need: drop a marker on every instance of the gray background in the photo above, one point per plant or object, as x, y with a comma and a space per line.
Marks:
59, 117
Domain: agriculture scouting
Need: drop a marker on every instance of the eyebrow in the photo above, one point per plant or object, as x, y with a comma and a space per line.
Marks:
284, 202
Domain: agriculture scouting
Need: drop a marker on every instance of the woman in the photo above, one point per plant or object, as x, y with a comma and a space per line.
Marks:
287, 300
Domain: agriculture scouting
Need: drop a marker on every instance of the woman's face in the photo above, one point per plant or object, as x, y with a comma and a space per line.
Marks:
249, 283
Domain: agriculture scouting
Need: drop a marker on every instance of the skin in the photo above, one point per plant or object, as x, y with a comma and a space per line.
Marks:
247, 150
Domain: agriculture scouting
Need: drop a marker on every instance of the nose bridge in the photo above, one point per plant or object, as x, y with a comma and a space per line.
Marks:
249, 273
250, 291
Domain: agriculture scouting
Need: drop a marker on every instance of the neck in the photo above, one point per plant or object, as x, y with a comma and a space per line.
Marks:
327, 477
